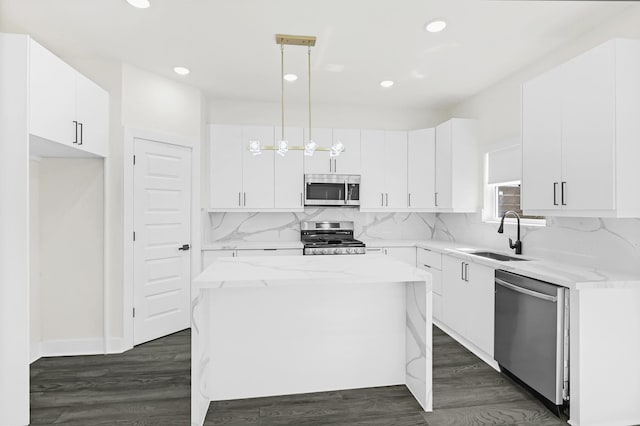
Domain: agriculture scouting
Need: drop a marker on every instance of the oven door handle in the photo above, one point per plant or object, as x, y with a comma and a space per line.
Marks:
526, 291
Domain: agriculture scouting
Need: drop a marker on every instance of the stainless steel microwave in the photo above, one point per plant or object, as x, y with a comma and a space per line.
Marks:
332, 190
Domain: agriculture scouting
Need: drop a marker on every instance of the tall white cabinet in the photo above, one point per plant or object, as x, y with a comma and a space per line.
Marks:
421, 169
347, 163
457, 174
580, 133
384, 170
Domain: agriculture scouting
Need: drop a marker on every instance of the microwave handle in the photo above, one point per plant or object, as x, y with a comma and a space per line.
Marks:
346, 192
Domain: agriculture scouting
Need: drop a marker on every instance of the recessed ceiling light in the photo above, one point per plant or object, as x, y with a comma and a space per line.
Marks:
140, 4
435, 26
290, 77
386, 83
181, 70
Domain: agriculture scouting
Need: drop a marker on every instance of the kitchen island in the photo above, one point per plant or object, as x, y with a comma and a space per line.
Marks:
264, 326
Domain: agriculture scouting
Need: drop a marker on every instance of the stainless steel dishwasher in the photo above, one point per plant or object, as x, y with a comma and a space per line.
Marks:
531, 335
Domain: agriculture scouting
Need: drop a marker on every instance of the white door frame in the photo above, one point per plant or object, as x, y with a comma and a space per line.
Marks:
130, 134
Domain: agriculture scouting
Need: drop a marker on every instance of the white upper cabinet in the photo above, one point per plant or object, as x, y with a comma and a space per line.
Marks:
225, 154
348, 162
421, 169
319, 162
541, 141
52, 97
257, 170
384, 170
65, 106
288, 179
580, 133
457, 178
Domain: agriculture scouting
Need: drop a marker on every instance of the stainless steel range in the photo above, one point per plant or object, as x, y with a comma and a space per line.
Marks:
329, 238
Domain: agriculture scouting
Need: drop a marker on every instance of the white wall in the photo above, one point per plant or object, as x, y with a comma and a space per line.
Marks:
156, 103
267, 113
71, 254
604, 243
34, 258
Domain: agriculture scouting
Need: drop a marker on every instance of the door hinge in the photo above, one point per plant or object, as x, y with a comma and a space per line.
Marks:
134, 235
134, 312
134, 160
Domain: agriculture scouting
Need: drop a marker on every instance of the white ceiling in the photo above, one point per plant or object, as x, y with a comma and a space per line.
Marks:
230, 45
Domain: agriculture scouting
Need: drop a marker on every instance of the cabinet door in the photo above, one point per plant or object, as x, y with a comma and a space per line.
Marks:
541, 141
454, 306
479, 304
464, 165
404, 254
319, 163
421, 173
349, 160
373, 169
225, 152
52, 97
210, 256
289, 174
588, 130
269, 252
257, 170
442, 196
395, 166
92, 106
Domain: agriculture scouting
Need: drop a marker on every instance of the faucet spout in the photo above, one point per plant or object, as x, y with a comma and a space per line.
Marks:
518, 244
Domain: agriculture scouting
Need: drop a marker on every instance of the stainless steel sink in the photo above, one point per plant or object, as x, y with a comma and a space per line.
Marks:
495, 256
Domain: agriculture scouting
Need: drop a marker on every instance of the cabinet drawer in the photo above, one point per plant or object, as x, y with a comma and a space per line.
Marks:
429, 258
437, 307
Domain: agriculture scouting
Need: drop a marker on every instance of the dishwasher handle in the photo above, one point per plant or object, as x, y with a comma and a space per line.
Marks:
526, 291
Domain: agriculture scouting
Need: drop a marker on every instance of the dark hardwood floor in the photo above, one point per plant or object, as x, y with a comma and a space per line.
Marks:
150, 385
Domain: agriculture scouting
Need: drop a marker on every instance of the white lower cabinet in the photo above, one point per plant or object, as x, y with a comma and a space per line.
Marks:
209, 256
405, 254
432, 261
468, 301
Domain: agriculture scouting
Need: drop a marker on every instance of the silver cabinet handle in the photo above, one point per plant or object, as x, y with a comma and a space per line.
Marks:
526, 291
387, 197
466, 272
462, 271
382, 199
301, 200
426, 266
330, 166
563, 185
239, 199
245, 199
335, 165
555, 189
76, 124
81, 135
435, 194
409, 200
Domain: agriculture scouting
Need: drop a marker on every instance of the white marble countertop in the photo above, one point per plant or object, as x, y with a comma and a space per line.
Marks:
560, 273
265, 271
253, 245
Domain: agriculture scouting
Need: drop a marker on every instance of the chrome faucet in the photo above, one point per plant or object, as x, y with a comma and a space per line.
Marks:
518, 243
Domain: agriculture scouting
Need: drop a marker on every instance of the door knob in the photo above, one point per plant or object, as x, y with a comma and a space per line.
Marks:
185, 247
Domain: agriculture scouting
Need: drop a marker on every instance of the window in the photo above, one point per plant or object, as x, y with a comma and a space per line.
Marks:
502, 182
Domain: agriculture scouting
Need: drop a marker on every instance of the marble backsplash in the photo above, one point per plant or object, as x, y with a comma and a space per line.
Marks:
608, 244
253, 227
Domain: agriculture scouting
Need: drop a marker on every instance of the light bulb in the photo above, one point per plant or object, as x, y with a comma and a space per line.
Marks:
336, 149
310, 148
255, 148
283, 147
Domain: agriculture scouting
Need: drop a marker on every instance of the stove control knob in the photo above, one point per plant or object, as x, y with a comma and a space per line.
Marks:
322, 251
348, 250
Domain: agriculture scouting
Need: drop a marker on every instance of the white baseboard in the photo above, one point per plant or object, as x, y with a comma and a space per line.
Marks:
76, 347
464, 342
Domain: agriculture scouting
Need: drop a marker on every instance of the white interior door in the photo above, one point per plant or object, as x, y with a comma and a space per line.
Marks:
162, 200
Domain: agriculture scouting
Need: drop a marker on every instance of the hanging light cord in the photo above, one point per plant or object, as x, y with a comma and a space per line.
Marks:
309, 71
282, 85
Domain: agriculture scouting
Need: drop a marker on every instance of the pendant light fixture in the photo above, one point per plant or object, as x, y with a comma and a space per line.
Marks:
282, 146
